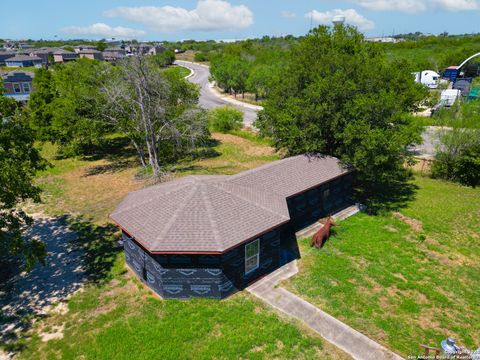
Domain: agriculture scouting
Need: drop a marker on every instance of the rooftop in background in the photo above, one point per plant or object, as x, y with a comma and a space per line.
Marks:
212, 214
17, 76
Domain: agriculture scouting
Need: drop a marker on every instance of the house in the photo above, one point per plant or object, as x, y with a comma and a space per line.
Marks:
63, 55
210, 236
90, 54
43, 53
114, 54
4, 55
18, 84
23, 61
143, 49
157, 49
79, 48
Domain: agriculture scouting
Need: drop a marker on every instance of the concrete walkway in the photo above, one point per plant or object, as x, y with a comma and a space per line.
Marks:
349, 340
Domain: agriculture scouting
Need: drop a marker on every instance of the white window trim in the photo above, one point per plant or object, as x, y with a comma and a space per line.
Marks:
257, 256
19, 88
26, 85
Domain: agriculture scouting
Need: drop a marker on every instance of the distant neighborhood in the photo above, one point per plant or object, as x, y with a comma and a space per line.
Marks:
18, 82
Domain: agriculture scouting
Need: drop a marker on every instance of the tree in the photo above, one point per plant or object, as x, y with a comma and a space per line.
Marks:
343, 98
260, 79
101, 45
225, 119
458, 157
7, 105
19, 161
164, 59
156, 110
65, 108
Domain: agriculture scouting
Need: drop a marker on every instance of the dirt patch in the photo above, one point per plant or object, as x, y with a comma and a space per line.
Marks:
55, 333
98, 194
400, 276
247, 146
391, 228
415, 225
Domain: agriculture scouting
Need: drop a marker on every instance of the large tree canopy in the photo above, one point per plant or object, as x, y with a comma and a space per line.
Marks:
343, 97
66, 106
19, 161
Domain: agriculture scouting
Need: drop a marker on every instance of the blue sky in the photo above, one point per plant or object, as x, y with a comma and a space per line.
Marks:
228, 19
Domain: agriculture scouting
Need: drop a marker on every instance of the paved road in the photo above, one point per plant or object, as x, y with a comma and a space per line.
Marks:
209, 99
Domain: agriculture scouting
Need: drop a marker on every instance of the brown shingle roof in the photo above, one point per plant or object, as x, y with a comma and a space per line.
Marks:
198, 214
292, 175
215, 213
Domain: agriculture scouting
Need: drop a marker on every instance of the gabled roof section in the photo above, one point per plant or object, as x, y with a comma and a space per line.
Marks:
293, 175
24, 58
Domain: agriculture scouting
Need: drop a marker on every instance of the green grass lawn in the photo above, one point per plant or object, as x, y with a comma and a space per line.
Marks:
123, 320
406, 279
179, 71
116, 316
464, 114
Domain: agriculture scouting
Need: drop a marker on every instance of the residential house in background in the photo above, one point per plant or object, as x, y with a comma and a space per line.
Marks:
157, 49
79, 48
23, 61
18, 84
114, 54
91, 54
44, 54
63, 55
6, 54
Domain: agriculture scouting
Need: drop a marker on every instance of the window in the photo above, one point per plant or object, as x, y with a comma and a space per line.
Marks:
17, 89
326, 194
26, 87
252, 256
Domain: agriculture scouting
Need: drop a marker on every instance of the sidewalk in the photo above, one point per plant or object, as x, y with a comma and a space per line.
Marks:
341, 335
227, 98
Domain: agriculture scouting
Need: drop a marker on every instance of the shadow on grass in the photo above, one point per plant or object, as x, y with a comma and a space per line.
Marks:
78, 253
387, 196
113, 167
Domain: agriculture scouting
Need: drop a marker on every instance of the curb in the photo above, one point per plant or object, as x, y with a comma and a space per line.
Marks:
233, 101
215, 91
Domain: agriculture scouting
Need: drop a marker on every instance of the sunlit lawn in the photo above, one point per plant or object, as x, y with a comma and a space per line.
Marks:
116, 317
403, 282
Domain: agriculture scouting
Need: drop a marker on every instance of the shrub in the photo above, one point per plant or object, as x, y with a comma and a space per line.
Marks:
201, 56
225, 119
458, 158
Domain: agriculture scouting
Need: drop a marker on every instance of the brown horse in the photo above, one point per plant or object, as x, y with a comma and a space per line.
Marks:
321, 236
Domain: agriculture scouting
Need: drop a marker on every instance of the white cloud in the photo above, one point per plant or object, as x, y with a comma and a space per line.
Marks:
104, 30
408, 6
209, 15
351, 17
417, 6
457, 5
288, 14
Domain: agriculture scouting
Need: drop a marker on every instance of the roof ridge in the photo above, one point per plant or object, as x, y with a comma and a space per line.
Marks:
250, 202
177, 212
181, 186
211, 219
265, 166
